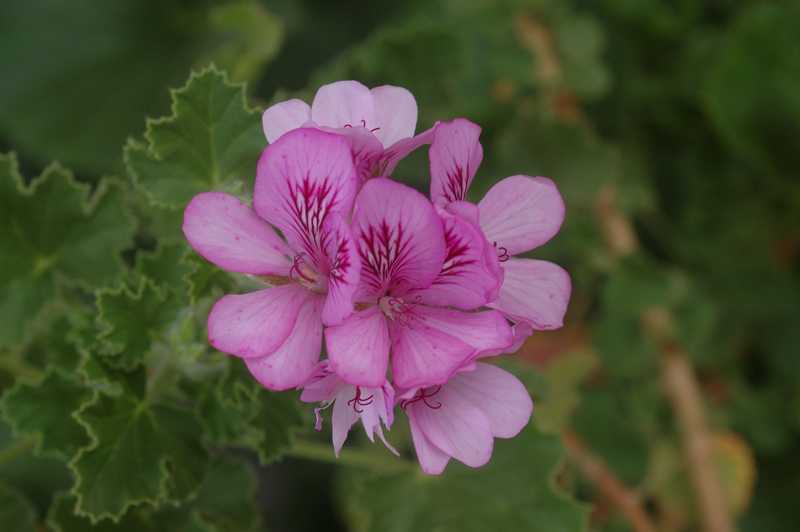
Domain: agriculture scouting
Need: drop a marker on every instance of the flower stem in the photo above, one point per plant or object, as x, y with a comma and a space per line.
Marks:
17, 448
350, 457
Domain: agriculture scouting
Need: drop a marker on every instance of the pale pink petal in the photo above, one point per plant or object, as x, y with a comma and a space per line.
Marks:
255, 324
395, 114
358, 348
521, 213
482, 330
399, 151
294, 362
457, 427
376, 407
423, 355
302, 178
322, 385
343, 103
536, 292
471, 275
343, 418
283, 117
431, 459
498, 394
455, 156
228, 233
343, 266
399, 237
520, 331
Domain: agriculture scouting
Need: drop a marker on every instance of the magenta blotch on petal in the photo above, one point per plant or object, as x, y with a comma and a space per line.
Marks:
455, 155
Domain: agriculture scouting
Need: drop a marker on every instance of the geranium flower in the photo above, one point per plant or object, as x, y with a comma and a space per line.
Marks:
406, 263
379, 122
461, 418
305, 185
518, 214
372, 406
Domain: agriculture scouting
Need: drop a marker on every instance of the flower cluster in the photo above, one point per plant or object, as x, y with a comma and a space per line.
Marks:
407, 293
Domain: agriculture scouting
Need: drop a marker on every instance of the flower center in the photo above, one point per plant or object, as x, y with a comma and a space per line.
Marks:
394, 308
304, 273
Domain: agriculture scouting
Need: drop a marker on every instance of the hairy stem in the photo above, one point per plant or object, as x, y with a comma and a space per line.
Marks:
384, 462
609, 485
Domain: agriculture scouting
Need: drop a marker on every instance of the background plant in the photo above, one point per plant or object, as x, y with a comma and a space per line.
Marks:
670, 128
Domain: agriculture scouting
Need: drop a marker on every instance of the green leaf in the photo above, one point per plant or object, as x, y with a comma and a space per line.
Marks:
140, 452
227, 496
46, 411
166, 267
54, 229
129, 321
563, 376
76, 100
515, 491
206, 279
238, 411
211, 141
16, 512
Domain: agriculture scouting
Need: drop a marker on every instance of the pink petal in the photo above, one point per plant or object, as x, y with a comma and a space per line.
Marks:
395, 114
431, 459
358, 349
455, 156
520, 331
283, 117
521, 213
423, 355
399, 150
457, 428
483, 330
366, 148
302, 178
536, 292
322, 386
498, 394
344, 416
343, 103
344, 268
294, 362
399, 237
228, 233
255, 324
471, 275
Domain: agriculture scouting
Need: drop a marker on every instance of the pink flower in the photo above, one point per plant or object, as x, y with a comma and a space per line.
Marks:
412, 272
461, 418
379, 122
517, 215
350, 404
305, 186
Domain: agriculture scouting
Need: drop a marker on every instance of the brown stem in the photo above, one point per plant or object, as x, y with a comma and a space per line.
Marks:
683, 392
609, 485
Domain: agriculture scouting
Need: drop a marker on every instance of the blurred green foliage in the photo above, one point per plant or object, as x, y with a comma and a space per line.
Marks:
671, 128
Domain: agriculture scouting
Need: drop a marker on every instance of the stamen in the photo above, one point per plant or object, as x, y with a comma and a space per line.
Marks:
374, 129
502, 253
423, 395
357, 401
